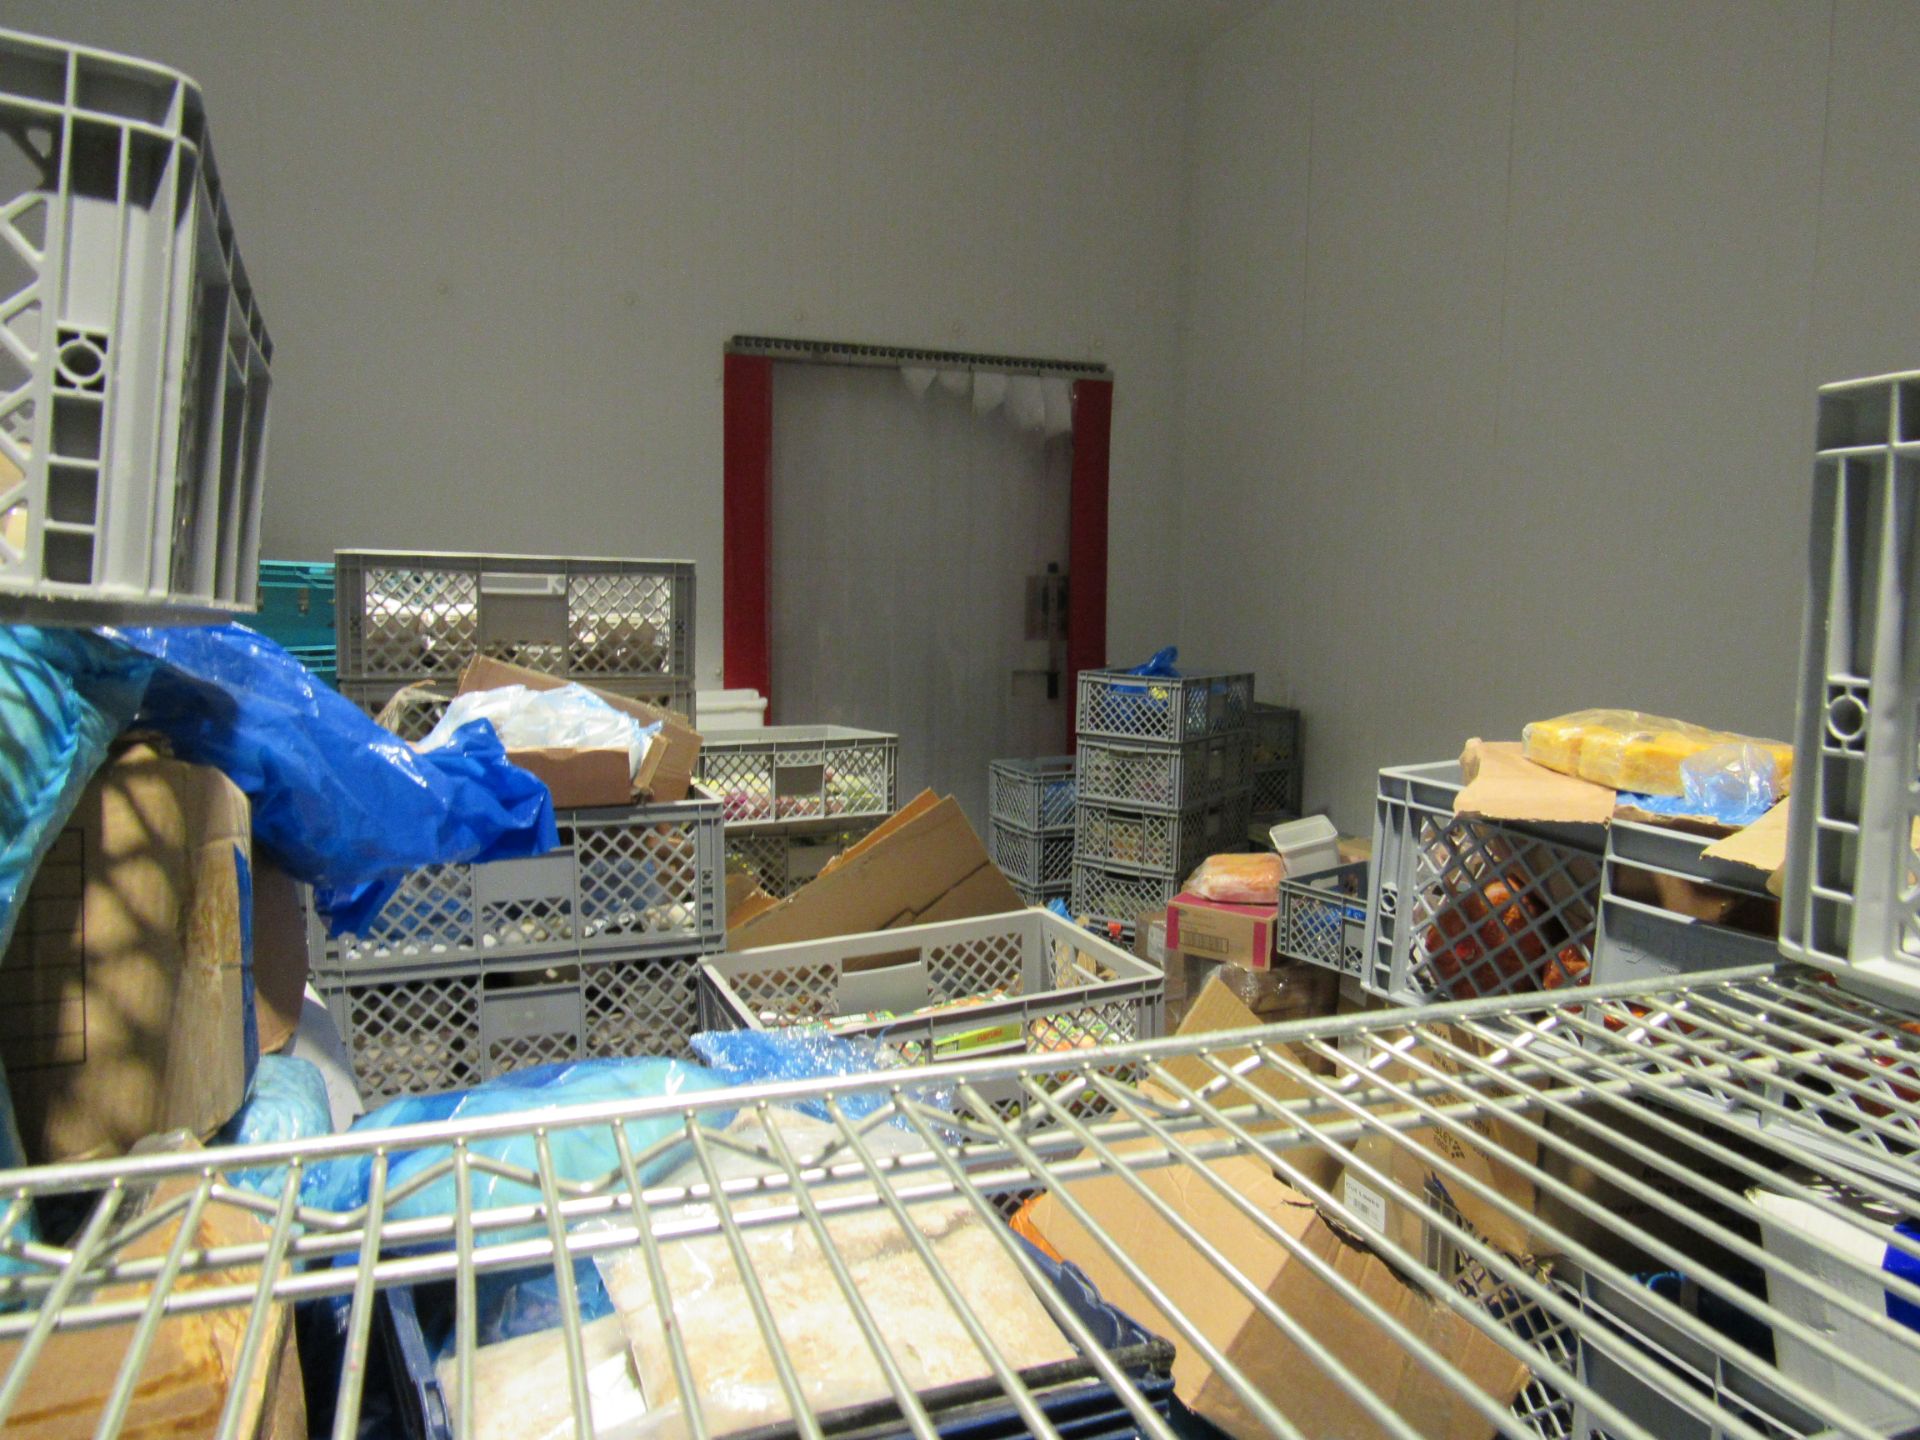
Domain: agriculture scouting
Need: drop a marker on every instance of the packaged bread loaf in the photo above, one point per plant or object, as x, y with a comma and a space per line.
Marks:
1629, 750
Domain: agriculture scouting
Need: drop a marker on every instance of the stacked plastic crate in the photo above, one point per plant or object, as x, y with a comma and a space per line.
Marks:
794, 796
1164, 771
1030, 807
414, 620
296, 609
1276, 760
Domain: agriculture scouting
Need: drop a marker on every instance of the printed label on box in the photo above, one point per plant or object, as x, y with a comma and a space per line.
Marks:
1368, 1205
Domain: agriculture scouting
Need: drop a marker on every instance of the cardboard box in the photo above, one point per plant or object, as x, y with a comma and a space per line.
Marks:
1150, 938
190, 1367
129, 999
279, 955
1299, 1388
923, 865
582, 779
1214, 930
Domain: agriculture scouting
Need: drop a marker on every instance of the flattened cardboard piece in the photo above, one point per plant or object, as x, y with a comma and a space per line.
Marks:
666, 771
1502, 784
129, 999
745, 899
279, 955
1299, 1388
1761, 846
190, 1366
931, 866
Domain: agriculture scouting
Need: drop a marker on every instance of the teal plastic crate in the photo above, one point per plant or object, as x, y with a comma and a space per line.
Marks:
296, 605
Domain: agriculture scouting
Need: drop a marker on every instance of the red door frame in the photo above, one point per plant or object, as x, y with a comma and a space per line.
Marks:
747, 541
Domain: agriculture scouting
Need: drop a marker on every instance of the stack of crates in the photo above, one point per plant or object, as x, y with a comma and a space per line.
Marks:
1030, 807
1165, 772
404, 619
473, 970
1276, 761
296, 611
794, 796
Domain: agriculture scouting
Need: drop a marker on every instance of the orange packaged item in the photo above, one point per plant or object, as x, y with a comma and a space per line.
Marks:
1238, 879
1627, 750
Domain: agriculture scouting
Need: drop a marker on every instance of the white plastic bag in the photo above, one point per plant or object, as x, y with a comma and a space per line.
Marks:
570, 718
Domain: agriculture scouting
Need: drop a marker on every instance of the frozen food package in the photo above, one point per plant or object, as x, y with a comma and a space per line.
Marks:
1628, 750
1239, 879
731, 1364
520, 1388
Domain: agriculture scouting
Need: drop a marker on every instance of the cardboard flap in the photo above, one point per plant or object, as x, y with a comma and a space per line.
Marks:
666, 772
1502, 784
1761, 846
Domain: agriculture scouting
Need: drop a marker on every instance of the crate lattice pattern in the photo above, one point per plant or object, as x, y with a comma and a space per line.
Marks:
1276, 790
412, 1037
1276, 735
619, 625
1172, 778
1495, 911
643, 1008
1313, 926
1035, 862
1166, 844
1133, 707
857, 780
1111, 896
1032, 795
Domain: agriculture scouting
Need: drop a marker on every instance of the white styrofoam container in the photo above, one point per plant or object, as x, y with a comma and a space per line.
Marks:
1804, 1239
1306, 846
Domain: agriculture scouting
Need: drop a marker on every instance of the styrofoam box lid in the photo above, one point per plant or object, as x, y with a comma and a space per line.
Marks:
1290, 836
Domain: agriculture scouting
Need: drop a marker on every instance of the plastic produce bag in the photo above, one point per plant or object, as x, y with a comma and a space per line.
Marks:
1159, 665
337, 801
1733, 785
64, 696
758, 1057
1239, 879
570, 718
582, 1153
1628, 750
287, 1101
729, 1360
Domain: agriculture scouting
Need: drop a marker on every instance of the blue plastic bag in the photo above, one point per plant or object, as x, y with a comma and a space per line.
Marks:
1733, 784
64, 696
287, 1101
757, 1057
586, 1153
339, 802
1159, 665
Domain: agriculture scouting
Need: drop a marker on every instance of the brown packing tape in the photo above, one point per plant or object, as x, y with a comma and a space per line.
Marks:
1502, 784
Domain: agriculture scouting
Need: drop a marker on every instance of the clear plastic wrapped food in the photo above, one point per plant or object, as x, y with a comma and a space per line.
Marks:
1629, 750
1239, 879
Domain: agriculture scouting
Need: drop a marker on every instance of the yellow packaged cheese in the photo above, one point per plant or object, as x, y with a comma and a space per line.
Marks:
1628, 750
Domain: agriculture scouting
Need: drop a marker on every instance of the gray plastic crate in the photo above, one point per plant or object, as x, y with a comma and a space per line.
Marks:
411, 711
643, 878
1118, 897
1062, 988
1323, 919
1034, 795
786, 774
1044, 894
1169, 712
782, 861
1276, 735
134, 362
1462, 908
414, 1029
1157, 842
421, 616
1640, 940
1173, 777
1276, 789
1851, 904
1032, 862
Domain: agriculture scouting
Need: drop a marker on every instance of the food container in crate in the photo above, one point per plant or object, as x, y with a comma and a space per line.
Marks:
1160, 842
1032, 795
786, 774
134, 363
1024, 981
1171, 777
1667, 908
1120, 706
422, 616
1850, 902
1469, 907
1107, 896
782, 861
1323, 919
1034, 863
632, 878
413, 1028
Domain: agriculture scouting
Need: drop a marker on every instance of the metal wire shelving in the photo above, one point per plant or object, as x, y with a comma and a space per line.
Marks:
1675, 1103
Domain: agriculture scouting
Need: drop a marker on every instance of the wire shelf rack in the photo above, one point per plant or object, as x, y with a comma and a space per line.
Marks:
1652, 1117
